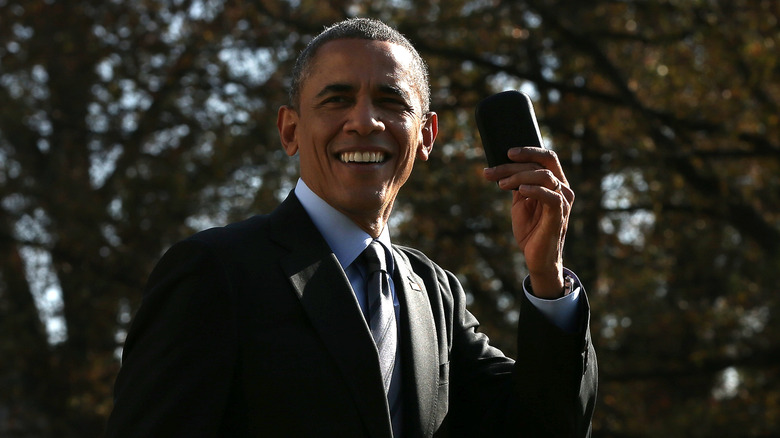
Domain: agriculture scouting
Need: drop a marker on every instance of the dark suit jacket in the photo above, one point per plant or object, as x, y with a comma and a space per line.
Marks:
253, 330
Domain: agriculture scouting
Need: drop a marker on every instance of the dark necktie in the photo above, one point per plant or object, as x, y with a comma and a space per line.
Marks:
381, 314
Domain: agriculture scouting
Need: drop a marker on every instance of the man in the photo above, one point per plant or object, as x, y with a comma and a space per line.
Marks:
267, 327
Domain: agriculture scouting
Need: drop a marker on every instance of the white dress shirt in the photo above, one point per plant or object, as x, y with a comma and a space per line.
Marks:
347, 241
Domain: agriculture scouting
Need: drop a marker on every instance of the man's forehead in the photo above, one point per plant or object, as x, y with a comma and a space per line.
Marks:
340, 63
358, 52
389, 87
348, 45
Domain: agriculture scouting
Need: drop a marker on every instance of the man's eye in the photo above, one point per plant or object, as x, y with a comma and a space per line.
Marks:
394, 103
335, 99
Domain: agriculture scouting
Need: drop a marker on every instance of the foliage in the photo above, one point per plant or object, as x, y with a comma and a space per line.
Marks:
125, 126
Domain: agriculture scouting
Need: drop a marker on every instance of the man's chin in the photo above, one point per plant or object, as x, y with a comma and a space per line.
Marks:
366, 201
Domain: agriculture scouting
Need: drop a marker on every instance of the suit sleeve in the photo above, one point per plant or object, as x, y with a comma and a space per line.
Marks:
179, 355
556, 376
549, 391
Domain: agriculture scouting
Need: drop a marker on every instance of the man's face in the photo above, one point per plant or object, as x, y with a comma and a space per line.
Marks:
358, 127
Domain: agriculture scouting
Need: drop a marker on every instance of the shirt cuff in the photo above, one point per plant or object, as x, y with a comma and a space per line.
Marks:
563, 312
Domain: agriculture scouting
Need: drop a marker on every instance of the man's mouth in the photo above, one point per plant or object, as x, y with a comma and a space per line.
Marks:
362, 157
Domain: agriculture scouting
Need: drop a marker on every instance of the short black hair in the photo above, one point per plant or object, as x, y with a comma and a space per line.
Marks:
366, 29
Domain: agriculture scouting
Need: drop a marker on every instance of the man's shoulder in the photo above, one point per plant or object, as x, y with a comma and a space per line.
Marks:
413, 255
262, 226
420, 263
230, 233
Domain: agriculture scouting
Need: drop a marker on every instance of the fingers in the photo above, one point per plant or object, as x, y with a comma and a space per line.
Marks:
539, 184
545, 158
564, 196
536, 171
528, 158
537, 177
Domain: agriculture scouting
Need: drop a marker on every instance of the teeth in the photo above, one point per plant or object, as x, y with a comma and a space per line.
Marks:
362, 157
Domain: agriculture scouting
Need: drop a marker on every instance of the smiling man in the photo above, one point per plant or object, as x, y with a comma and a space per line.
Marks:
310, 322
358, 125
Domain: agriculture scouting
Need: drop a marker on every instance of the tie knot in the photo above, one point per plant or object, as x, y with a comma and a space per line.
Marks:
374, 258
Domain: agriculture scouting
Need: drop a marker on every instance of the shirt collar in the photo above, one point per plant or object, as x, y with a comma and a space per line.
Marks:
344, 237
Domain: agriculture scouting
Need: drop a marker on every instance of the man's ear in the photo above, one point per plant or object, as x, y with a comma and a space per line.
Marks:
287, 123
429, 130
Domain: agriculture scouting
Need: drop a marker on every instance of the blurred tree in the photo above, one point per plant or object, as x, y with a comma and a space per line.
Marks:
125, 126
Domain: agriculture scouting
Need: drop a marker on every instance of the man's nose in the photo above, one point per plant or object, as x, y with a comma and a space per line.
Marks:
364, 118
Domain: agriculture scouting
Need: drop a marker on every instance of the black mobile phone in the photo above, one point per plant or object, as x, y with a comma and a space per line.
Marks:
506, 120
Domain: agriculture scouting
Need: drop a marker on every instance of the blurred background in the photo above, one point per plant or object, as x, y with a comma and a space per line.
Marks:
128, 125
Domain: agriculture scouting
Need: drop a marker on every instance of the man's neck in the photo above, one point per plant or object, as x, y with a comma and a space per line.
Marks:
344, 235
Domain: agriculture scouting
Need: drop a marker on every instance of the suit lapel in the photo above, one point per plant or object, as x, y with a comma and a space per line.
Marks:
419, 348
325, 294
